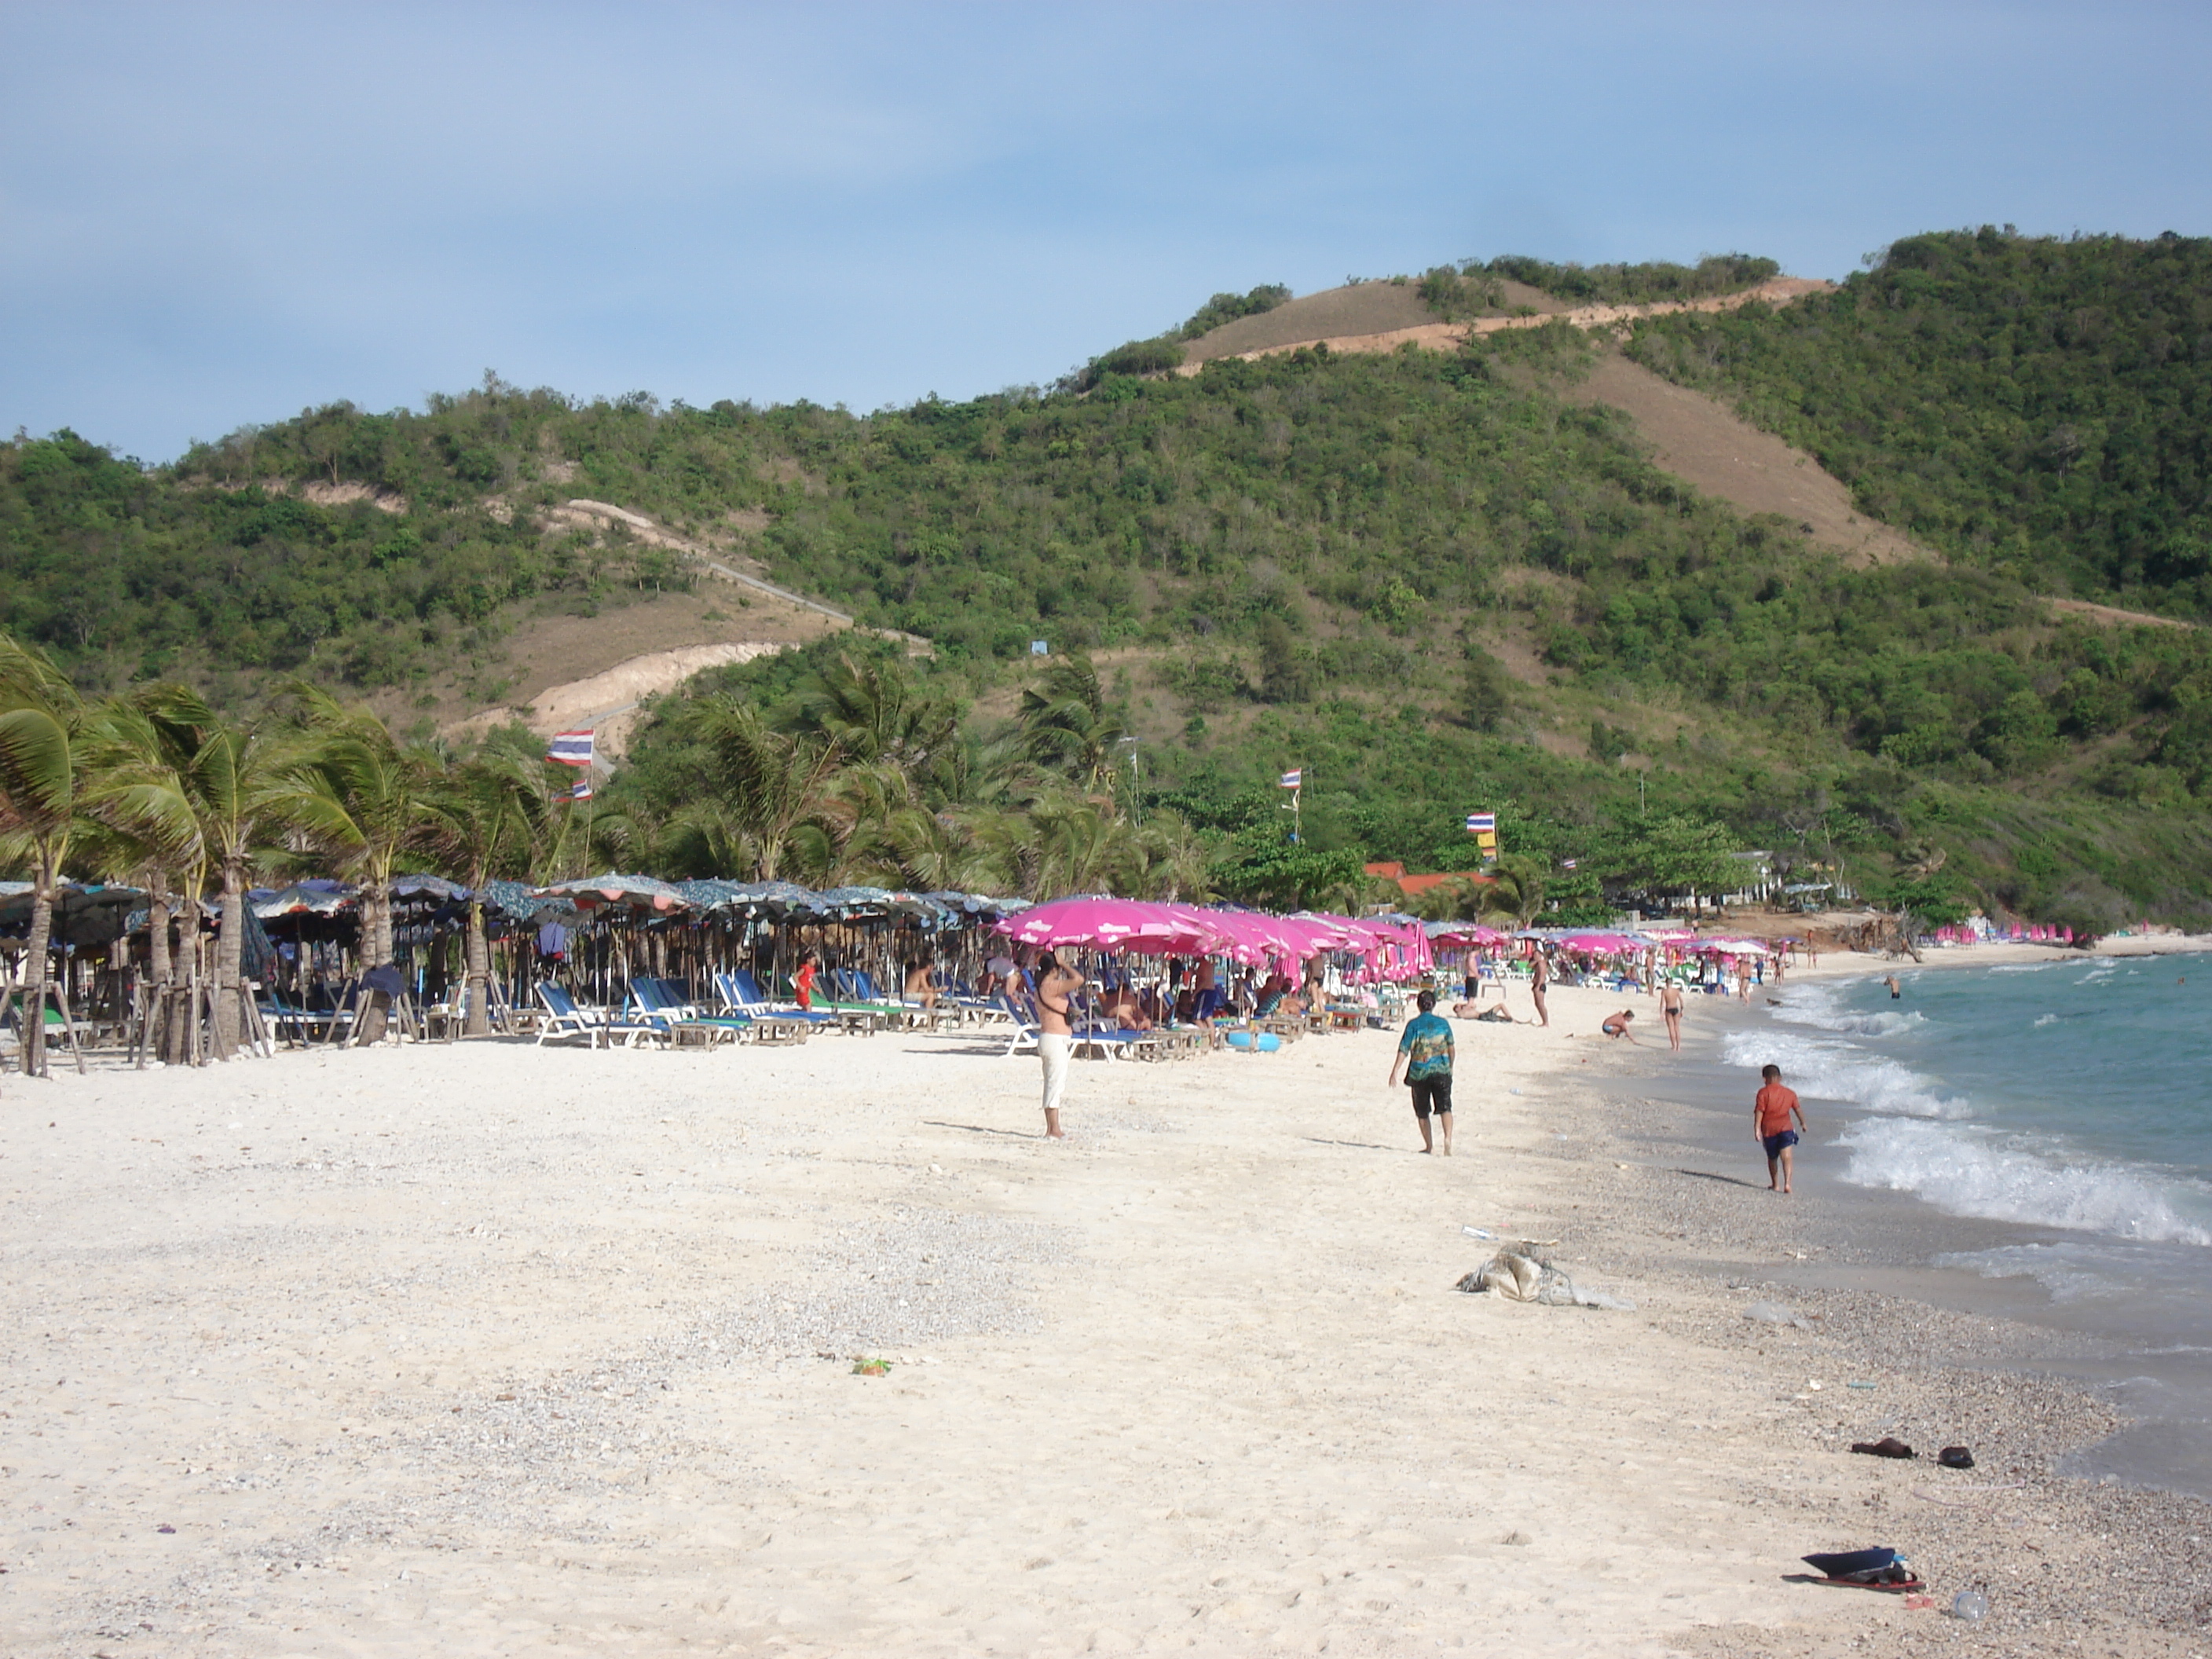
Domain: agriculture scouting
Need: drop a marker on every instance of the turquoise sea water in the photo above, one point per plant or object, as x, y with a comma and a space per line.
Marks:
2073, 1095
2072, 1099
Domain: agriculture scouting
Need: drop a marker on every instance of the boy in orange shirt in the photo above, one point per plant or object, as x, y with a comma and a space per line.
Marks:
1769, 1119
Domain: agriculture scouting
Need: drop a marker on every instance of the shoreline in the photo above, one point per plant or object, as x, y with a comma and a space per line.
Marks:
1864, 1268
491, 1349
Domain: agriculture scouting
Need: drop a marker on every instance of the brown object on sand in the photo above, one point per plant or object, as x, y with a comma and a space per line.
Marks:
1887, 1446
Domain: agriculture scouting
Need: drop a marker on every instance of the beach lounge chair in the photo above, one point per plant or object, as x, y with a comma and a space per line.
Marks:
1114, 1040
299, 1025
566, 1019
1025, 1028
982, 1007
664, 1003
742, 994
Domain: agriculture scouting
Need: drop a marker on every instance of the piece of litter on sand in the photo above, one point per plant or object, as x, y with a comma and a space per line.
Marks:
1773, 1313
1858, 1385
1478, 1232
1888, 1446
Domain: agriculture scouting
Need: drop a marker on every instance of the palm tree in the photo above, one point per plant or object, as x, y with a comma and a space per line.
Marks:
42, 769
1456, 899
213, 796
1176, 865
375, 803
768, 791
1516, 892
487, 817
1065, 726
872, 713
946, 850
139, 761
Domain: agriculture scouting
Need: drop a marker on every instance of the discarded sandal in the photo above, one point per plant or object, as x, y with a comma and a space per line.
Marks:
1956, 1458
1874, 1569
1887, 1446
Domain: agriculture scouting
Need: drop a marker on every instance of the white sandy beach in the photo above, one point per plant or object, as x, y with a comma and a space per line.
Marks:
493, 1350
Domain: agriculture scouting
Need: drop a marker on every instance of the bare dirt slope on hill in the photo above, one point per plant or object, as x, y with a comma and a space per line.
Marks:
1364, 331
1335, 313
550, 665
1706, 444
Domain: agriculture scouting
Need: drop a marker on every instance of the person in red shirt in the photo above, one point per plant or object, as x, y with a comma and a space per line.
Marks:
1770, 1122
802, 982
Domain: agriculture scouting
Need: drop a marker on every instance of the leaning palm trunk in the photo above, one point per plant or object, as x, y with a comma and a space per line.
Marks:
157, 936
181, 1041
230, 952
153, 1028
34, 972
376, 924
478, 975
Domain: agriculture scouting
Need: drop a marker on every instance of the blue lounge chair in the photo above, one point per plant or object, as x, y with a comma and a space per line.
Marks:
742, 994
662, 1002
565, 1019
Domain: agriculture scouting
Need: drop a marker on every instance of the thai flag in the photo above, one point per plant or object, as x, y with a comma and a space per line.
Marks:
571, 748
1292, 779
581, 792
1567, 863
1482, 823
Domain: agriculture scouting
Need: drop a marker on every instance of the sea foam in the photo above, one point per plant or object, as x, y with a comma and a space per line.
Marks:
1980, 1172
1829, 1069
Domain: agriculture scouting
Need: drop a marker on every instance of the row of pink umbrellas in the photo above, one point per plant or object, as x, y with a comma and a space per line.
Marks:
1389, 950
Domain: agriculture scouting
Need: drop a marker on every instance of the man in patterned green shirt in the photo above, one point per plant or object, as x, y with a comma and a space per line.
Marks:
1424, 1054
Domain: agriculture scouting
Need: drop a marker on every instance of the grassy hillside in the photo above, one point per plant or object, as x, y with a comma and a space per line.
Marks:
1425, 577
2031, 405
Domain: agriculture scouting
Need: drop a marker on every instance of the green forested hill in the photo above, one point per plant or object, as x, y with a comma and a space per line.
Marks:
2032, 405
1423, 576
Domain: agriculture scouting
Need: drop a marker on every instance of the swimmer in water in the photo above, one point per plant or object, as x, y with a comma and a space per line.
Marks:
1895, 989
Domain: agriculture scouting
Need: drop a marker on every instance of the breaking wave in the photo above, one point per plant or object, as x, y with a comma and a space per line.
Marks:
1832, 1070
1980, 1172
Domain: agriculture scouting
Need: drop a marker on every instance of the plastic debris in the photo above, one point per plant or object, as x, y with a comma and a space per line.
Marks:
1774, 1313
1522, 1279
1600, 1299
1970, 1605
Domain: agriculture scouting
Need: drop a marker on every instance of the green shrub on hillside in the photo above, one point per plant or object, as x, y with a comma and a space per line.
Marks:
2032, 405
1136, 357
1623, 284
1455, 294
1228, 307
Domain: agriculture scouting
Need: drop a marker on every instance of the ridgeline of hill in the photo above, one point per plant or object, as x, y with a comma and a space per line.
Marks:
1440, 580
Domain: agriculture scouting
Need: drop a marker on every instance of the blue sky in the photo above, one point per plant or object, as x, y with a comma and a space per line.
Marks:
211, 216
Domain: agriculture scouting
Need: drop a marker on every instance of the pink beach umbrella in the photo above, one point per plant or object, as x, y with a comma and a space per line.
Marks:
1112, 924
1596, 944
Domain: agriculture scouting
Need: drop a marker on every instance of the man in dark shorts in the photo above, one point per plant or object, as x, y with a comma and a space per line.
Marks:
1424, 1055
1770, 1122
